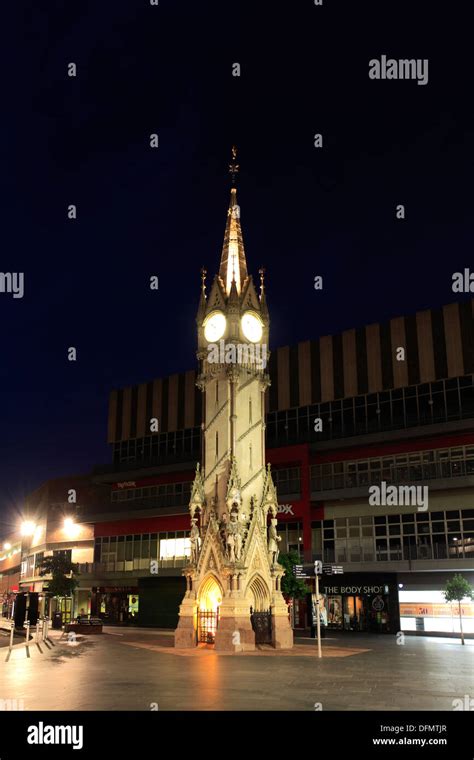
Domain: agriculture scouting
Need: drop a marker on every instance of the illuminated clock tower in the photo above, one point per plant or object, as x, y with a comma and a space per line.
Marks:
233, 579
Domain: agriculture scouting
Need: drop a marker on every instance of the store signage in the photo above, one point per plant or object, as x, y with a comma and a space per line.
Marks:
299, 571
333, 569
357, 590
285, 509
120, 486
378, 604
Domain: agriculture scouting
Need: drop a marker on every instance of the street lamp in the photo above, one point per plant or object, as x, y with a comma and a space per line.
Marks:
71, 529
7, 546
28, 527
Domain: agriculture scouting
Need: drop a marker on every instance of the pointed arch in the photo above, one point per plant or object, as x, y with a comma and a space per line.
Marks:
259, 593
210, 593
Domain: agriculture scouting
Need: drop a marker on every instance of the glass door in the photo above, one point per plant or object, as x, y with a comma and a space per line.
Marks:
349, 608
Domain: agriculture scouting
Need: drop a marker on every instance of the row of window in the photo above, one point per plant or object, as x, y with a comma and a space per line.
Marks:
158, 446
424, 404
287, 480
396, 468
422, 535
163, 494
140, 548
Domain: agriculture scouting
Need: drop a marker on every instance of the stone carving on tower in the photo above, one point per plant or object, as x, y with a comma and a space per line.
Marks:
233, 565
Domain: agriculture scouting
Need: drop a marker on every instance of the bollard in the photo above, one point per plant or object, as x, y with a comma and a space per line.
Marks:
38, 623
27, 639
10, 646
46, 638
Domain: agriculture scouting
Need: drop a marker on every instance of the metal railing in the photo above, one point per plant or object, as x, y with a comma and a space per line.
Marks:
130, 566
401, 474
361, 554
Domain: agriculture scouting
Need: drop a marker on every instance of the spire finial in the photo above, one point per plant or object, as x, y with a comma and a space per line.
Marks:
261, 272
234, 166
203, 280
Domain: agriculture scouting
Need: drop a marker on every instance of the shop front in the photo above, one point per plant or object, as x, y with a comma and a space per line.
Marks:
360, 603
115, 605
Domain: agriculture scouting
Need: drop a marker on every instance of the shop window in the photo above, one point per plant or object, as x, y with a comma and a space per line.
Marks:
439, 547
316, 541
452, 514
121, 548
454, 526
423, 528
381, 548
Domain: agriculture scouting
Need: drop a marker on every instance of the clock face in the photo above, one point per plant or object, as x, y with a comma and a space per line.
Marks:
214, 326
252, 327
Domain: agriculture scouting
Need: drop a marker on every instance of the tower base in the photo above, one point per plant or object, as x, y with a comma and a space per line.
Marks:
282, 632
235, 634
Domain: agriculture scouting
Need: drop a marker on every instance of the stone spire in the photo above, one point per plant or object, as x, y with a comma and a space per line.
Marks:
233, 266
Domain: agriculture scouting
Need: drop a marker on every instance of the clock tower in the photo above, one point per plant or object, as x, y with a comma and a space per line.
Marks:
233, 579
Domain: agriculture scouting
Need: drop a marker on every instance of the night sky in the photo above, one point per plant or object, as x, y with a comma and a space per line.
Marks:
304, 211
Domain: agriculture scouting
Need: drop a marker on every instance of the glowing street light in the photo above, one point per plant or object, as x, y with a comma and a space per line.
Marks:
28, 527
7, 546
70, 528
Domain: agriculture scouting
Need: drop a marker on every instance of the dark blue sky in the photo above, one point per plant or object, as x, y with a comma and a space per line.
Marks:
304, 211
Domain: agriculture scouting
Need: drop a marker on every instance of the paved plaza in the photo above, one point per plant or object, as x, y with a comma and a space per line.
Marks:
139, 669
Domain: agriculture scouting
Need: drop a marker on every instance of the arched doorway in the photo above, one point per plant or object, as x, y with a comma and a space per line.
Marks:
209, 601
259, 591
260, 611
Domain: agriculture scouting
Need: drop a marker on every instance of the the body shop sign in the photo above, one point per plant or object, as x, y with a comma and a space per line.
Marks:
356, 590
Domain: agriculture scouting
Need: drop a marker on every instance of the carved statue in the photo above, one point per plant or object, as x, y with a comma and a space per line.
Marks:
273, 541
230, 545
234, 500
195, 538
223, 529
238, 531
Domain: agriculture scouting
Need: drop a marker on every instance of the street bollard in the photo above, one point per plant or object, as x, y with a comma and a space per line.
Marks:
27, 639
10, 646
38, 624
46, 638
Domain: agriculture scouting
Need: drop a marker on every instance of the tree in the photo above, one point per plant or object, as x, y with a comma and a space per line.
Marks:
63, 574
290, 585
458, 588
